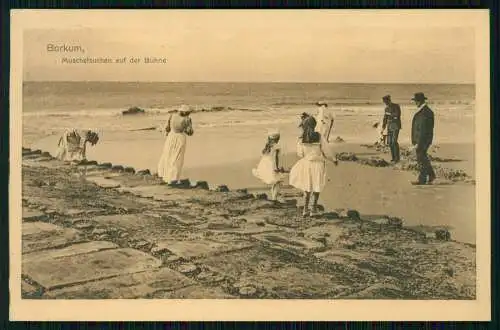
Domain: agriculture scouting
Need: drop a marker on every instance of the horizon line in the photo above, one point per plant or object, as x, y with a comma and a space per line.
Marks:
248, 82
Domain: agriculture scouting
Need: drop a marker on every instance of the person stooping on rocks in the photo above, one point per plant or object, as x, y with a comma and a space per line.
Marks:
72, 145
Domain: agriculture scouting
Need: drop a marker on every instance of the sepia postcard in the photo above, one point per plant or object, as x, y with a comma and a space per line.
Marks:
250, 165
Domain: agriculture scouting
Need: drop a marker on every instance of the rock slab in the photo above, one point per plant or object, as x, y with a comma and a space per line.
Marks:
71, 250
77, 269
129, 286
32, 215
40, 235
103, 182
287, 242
196, 248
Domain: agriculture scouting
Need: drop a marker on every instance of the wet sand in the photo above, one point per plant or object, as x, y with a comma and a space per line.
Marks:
381, 190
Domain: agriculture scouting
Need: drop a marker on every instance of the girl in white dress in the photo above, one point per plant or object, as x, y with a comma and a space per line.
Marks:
178, 127
268, 170
309, 173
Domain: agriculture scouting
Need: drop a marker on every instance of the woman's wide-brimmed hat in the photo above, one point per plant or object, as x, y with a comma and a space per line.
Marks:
185, 109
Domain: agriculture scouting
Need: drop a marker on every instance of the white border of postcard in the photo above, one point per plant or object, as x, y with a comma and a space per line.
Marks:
239, 309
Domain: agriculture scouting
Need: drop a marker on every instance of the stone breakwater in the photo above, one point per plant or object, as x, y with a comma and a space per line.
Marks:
137, 110
97, 230
409, 163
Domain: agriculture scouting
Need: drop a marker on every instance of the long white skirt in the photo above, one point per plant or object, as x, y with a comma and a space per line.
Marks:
172, 158
308, 175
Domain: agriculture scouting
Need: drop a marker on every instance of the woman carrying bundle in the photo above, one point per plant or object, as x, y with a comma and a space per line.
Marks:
309, 173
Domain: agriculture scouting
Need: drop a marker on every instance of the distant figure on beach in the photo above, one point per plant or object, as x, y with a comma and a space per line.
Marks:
392, 122
422, 133
72, 145
178, 127
309, 173
324, 119
268, 170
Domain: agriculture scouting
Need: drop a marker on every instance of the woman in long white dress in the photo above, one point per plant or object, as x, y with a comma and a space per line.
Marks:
178, 127
268, 170
72, 145
309, 173
325, 119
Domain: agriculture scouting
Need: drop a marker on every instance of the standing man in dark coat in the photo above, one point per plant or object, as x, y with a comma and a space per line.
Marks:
392, 120
422, 133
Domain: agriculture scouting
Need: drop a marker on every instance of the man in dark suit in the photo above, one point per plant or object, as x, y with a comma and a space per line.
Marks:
392, 120
422, 133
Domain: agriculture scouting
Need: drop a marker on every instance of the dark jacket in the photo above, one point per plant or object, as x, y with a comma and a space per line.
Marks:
422, 127
392, 117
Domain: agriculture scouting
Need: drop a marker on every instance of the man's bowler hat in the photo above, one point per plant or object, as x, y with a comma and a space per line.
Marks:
419, 97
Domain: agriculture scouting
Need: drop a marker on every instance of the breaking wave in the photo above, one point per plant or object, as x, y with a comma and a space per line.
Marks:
119, 112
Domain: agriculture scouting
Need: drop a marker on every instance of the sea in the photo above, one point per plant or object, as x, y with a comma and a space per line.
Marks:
72, 98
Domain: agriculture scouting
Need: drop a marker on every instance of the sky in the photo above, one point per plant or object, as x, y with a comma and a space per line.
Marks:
303, 46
